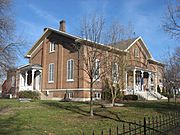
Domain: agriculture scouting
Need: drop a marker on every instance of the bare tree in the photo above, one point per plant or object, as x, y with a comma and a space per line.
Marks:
116, 73
98, 59
172, 71
117, 61
171, 23
8, 45
91, 54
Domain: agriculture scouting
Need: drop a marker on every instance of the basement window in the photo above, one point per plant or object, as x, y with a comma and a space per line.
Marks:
70, 95
97, 95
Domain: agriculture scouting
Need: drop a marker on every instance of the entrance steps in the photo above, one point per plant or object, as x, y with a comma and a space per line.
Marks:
147, 95
158, 95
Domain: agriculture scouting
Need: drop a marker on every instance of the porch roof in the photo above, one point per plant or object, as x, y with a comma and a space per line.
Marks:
139, 68
30, 66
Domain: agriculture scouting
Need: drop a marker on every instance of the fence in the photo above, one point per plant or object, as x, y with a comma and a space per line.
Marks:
149, 126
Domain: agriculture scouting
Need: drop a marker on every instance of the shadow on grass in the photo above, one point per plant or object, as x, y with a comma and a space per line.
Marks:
70, 106
105, 113
99, 112
161, 107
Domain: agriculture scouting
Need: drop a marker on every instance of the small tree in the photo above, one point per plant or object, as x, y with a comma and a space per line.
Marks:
117, 59
92, 55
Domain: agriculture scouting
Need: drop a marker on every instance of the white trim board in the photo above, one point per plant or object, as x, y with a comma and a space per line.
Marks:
79, 89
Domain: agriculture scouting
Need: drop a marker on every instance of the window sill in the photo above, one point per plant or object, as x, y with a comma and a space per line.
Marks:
52, 51
50, 81
70, 80
98, 80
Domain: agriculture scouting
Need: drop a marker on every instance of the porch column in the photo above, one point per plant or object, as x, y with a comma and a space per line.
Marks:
149, 81
142, 80
156, 82
126, 79
20, 80
26, 75
134, 78
40, 80
33, 70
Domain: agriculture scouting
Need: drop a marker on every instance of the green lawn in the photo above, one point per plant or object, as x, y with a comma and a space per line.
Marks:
70, 118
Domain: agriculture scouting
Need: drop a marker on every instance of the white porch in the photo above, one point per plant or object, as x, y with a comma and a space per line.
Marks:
142, 83
30, 78
141, 80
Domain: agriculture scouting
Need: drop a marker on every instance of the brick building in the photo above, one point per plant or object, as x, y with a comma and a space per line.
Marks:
53, 72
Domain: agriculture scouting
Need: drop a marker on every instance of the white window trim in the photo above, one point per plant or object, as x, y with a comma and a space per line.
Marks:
136, 51
13, 81
70, 80
117, 69
51, 48
70, 95
94, 77
96, 95
50, 81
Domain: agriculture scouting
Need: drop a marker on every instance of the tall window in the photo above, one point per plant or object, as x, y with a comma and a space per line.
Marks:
70, 70
136, 52
52, 47
114, 72
51, 73
96, 69
13, 81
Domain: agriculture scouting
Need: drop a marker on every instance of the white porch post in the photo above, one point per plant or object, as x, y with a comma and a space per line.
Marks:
149, 81
33, 70
26, 75
20, 80
126, 80
40, 81
142, 80
156, 82
134, 76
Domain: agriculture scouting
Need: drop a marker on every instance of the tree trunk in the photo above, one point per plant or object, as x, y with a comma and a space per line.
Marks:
113, 99
91, 99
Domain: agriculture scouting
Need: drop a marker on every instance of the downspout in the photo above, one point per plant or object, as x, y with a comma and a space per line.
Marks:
57, 66
78, 70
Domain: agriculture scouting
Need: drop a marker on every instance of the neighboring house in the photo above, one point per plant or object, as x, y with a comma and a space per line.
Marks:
52, 71
9, 85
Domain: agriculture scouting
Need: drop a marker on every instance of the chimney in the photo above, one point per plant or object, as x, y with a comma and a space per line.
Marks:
62, 26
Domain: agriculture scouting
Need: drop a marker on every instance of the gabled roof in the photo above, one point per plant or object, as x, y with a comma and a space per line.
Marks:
47, 32
127, 44
124, 44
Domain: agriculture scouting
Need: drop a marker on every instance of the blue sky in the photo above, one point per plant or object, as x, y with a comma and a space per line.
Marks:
31, 16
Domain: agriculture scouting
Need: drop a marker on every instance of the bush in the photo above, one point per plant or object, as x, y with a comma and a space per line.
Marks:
29, 94
168, 95
130, 97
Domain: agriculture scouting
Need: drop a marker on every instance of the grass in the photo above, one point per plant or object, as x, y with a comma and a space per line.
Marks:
70, 118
